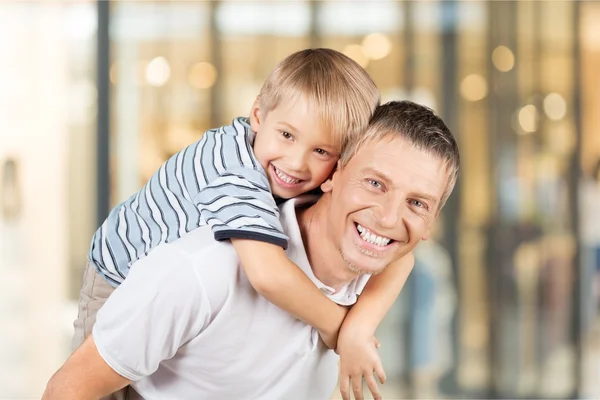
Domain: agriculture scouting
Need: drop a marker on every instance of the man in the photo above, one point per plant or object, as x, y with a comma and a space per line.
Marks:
205, 333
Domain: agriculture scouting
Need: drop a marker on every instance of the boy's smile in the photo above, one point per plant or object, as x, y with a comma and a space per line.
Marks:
295, 150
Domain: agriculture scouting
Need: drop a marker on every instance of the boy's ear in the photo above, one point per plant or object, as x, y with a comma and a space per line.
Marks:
255, 115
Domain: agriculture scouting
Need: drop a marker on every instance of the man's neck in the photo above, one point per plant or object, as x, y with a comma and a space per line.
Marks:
324, 258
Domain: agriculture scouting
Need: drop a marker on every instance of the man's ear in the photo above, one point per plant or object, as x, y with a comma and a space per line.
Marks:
327, 186
427, 233
255, 115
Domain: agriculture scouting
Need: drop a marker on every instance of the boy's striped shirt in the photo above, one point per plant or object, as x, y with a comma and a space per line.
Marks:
216, 181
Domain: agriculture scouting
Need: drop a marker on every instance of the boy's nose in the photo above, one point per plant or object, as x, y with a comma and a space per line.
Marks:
297, 162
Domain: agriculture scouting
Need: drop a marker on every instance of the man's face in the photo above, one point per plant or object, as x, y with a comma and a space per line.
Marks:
383, 202
296, 151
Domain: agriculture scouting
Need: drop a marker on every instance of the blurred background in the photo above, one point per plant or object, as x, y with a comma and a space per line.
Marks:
503, 303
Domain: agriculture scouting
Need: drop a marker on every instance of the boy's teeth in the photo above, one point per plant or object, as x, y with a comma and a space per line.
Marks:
285, 177
372, 238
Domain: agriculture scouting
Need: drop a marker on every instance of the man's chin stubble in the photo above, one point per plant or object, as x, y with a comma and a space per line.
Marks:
354, 268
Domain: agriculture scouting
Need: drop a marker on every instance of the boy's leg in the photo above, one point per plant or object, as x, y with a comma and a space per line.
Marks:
92, 296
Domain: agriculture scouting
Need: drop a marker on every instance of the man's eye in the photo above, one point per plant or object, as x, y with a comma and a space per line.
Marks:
321, 152
419, 204
375, 184
286, 135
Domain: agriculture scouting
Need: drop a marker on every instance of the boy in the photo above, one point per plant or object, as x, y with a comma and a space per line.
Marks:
310, 105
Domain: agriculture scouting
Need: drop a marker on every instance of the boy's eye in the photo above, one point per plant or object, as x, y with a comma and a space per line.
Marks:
321, 152
287, 135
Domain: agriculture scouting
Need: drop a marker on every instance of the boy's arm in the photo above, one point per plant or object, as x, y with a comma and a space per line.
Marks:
358, 355
284, 284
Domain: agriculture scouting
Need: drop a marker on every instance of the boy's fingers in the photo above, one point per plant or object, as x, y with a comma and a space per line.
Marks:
372, 385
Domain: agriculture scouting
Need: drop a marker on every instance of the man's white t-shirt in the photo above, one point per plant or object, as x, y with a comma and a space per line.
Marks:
187, 324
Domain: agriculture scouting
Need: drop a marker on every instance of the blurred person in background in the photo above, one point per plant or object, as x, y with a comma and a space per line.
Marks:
432, 308
590, 229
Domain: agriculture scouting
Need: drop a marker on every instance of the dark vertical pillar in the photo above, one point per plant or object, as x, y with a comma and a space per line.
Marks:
216, 92
409, 46
574, 179
410, 289
503, 231
315, 37
103, 118
450, 113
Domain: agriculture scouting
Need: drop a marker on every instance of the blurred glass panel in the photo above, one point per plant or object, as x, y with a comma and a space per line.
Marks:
249, 51
357, 18
371, 33
589, 212
47, 188
476, 202
161, 96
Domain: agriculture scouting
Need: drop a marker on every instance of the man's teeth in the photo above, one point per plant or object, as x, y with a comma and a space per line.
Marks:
372, 238
286, 178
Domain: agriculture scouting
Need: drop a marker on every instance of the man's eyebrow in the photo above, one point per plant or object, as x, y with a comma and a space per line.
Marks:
386, 179
382, 176
427, 197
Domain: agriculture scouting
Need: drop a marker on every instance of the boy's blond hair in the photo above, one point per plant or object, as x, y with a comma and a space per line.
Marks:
341, 91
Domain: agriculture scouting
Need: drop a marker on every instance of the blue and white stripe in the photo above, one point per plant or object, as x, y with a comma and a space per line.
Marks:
216, 181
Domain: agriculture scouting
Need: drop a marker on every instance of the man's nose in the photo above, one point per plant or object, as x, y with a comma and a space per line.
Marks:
390, 213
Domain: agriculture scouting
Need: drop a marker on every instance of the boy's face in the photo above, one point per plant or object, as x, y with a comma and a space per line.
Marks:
297, 153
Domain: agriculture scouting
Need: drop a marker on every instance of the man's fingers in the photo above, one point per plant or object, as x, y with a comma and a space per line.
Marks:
357, 387
380, 373
372, 385
345, 387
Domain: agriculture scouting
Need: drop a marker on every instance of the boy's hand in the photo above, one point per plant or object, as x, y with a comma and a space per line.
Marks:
358, 358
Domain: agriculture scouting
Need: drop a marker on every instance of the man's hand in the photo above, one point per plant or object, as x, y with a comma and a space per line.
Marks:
358, 358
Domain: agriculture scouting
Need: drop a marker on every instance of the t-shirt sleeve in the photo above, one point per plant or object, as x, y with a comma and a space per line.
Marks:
159, 307
234, 196
239, 205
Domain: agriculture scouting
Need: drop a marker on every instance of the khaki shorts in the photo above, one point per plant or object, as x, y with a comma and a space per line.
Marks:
92, 296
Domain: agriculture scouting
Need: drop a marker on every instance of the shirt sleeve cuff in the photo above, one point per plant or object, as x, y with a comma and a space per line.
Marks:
113, 362
241, 234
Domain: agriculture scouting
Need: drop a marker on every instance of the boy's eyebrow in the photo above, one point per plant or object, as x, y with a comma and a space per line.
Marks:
289, 126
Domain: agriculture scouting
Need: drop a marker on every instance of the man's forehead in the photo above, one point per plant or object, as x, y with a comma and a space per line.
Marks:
398, 161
